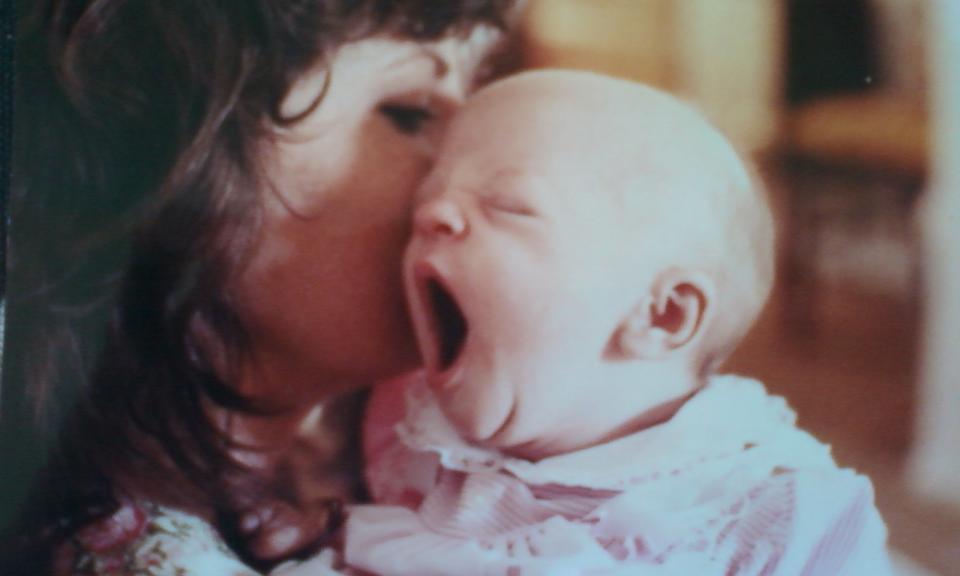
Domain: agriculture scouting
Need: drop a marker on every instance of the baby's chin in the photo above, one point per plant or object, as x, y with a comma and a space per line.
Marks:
482, 419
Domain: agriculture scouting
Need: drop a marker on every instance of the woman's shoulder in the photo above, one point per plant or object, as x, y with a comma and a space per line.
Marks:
147, 539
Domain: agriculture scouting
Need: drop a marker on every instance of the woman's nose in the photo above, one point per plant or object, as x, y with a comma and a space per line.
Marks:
440, 217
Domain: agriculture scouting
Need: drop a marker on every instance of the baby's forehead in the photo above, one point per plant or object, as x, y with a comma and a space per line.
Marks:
600, 123
603, 134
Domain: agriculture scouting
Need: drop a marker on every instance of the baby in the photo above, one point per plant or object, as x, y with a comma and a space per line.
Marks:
585, 254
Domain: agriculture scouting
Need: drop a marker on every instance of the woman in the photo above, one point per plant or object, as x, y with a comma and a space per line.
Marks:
260, 155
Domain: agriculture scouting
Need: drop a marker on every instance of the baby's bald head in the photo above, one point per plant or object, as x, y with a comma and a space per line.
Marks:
681, 196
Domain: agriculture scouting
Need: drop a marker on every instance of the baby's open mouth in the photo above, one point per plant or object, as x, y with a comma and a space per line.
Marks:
449, 323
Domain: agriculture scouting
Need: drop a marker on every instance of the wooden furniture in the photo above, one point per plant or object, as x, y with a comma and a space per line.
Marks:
844, 148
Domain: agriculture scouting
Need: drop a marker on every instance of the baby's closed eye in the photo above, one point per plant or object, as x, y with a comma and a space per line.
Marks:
510, 205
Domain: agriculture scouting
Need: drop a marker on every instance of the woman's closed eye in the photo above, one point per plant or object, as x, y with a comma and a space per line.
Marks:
409, 119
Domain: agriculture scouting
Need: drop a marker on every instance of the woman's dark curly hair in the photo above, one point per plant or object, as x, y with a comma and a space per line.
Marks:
137, 134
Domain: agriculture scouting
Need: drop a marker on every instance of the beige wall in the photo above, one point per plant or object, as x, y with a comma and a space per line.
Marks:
729, 60
724, 56
627, 38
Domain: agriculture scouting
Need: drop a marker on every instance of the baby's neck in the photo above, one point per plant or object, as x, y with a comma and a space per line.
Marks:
649, 418
641, 396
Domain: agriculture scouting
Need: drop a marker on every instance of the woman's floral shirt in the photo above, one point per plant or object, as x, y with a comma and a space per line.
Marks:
148, 540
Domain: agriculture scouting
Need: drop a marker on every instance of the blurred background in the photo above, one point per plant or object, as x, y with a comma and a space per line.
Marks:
851, 111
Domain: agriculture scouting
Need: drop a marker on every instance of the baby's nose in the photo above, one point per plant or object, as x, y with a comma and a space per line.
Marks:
439, 217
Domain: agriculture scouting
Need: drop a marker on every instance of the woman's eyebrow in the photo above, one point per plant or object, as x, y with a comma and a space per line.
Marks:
420, 55
400, 66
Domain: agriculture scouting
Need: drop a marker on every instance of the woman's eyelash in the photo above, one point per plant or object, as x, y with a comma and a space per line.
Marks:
407, 119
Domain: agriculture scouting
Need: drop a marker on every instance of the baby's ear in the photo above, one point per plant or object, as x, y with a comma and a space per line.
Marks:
673, 315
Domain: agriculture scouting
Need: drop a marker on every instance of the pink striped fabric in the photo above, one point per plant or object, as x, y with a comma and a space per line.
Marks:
485, 505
